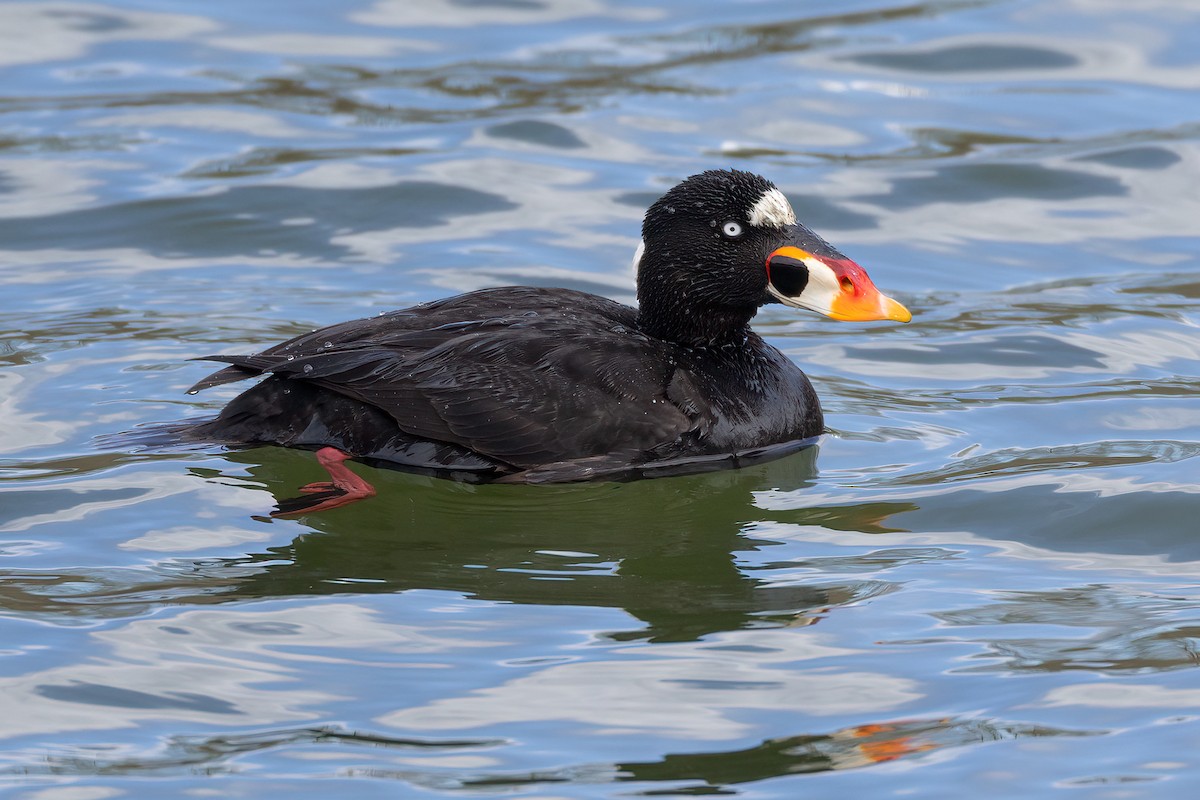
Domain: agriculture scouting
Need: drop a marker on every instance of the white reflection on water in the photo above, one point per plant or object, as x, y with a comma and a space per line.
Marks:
215, 666
343, 175
1155, 418
76, 793
404, 13
23, 429
37, 32
329, 46
256, 123
192, 538
1106, 353
1108, 565
596, 143
1122, 695
52, 185
1105, 61
549, 203
54, 265
125, 488
1153, 203
690, 691
1096, 483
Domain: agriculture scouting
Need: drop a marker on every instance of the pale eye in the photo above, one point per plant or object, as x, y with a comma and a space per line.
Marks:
731, 229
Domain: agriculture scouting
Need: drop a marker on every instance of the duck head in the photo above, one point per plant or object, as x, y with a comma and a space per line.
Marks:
723, 243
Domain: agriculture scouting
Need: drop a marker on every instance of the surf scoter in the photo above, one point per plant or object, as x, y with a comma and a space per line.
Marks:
529, 385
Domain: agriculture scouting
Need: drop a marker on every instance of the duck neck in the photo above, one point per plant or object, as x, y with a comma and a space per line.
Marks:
694, 325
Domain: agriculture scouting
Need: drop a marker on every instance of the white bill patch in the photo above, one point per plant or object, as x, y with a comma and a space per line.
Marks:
773, 210
818, 293
637, 256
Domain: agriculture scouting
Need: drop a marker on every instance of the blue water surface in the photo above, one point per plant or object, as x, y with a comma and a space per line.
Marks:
984, 580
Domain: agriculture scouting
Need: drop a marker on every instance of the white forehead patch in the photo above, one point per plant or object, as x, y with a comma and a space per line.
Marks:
772, 209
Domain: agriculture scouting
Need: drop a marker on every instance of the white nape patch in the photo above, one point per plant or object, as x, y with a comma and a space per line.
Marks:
772, 209
637, 256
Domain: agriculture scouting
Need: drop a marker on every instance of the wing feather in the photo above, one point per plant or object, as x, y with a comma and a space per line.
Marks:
570, 380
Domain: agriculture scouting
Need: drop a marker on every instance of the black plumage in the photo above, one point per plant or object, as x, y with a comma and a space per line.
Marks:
528, 384
552, 383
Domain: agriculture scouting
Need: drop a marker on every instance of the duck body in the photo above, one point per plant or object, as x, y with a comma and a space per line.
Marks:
519, 384
522, 384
